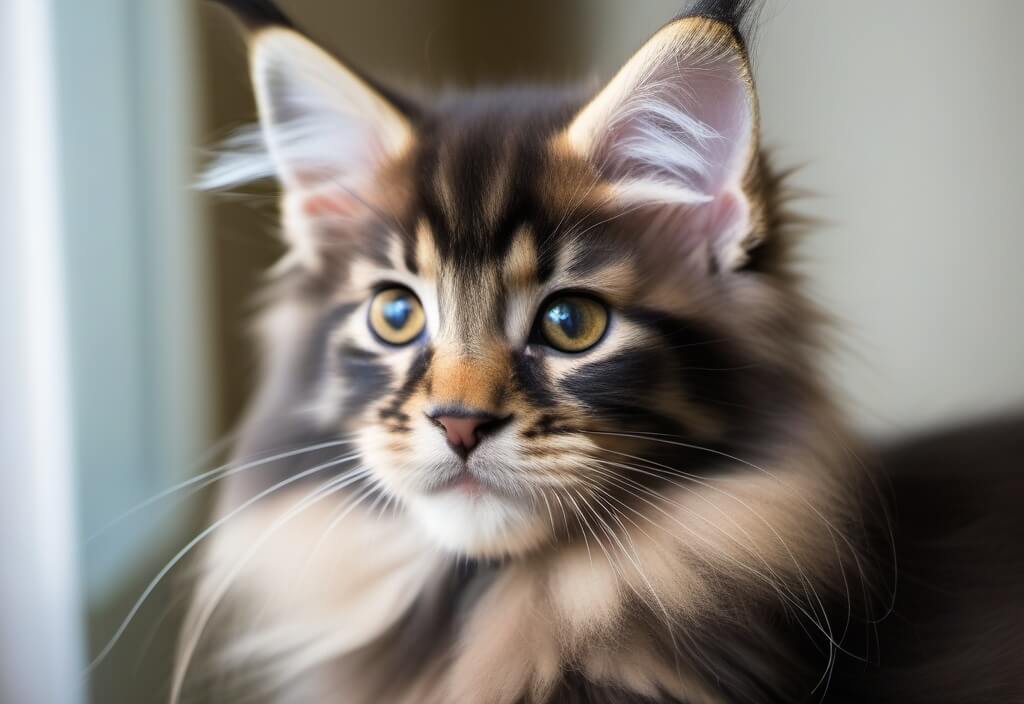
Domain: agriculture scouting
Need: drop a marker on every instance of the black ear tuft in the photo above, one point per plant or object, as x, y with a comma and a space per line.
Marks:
741, 15
257, 14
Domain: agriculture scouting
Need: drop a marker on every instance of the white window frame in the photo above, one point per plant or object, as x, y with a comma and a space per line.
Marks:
102, 278
40, 632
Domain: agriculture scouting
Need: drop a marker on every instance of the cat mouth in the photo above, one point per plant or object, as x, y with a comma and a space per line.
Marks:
463, 482
466, 482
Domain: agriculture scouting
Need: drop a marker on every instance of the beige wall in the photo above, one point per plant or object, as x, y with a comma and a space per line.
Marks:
907, 120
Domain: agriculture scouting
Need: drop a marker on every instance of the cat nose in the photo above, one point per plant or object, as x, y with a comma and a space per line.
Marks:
465, 429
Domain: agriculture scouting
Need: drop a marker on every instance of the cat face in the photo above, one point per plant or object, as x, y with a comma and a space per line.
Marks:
527, 302
482, 357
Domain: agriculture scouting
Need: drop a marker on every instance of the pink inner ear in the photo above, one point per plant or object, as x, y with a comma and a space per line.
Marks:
334, 203
719, 98
691, 124
724, 223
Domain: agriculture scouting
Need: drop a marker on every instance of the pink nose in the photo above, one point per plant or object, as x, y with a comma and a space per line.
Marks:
463, 432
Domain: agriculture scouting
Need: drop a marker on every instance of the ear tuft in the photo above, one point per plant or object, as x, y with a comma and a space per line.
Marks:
677, 126
738, 14
257, 14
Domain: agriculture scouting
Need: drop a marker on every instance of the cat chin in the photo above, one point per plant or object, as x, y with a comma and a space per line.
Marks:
483, 525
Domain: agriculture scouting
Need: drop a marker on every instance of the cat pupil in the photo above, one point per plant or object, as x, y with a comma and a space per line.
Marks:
397, 312
566, 317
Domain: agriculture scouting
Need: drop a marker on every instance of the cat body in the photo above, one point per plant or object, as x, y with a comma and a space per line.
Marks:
540, 419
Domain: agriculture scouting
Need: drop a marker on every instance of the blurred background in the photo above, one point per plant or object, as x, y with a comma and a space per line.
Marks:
126, 294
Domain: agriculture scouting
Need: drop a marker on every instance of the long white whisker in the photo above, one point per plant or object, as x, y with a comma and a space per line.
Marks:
695, 649
344, 510
832, 529
105, 651
326, 489
726, 455
597, 539
775, 584
209, 477
814, 600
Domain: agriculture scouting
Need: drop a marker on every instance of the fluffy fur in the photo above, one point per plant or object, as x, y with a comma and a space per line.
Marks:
673, 516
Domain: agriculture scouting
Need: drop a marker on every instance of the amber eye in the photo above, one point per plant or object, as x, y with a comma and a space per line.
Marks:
396, 316
573, 323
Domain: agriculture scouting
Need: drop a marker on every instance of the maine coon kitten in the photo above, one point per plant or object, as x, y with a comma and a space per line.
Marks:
541, 419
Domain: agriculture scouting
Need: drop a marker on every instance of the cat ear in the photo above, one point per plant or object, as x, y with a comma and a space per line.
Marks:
325, 132
677, 126
322, 123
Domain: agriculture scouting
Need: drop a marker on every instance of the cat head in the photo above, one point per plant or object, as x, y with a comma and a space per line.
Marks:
527, 307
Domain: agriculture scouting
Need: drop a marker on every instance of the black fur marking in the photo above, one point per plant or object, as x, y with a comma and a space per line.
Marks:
741, 15
357, 352
702, 362
391, 414
466, 125
599, 253
713, 374
417, 370
460, 411
530, 376
547, 424
257, 14
429, 628
366, 379
409, 255
318, 359
612, 389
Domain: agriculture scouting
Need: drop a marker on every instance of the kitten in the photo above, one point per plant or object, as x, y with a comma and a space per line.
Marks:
541, 418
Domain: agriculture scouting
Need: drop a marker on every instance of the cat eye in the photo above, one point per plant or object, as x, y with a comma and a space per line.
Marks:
396, 315
572, 323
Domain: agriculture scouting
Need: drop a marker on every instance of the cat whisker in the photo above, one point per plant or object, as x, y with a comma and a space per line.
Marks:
551, 515
784, 594
109, 646
635, 562
638, 566
696, 653
326, 489
814, 602
631, 487
582, 515
830, 527
389, 504
579, 521
211, 476
773, 581
346, 505
662, 471
663, 438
